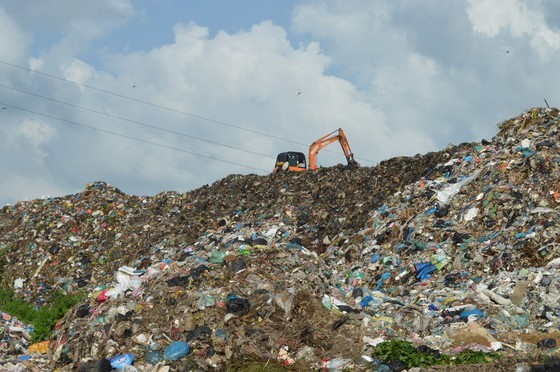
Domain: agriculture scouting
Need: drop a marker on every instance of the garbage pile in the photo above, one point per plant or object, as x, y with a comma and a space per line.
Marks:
452, 250
17, 350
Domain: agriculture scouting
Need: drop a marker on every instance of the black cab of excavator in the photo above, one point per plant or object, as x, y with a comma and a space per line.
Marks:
291, 161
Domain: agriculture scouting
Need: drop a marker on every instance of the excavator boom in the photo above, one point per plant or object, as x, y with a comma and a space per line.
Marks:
337, 135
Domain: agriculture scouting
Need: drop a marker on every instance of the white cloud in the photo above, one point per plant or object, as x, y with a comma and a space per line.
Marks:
24, 160
77, 71
490, 18
520, 19
29, 186
34, 132
35, 63
385, 63
13, 40
396, 84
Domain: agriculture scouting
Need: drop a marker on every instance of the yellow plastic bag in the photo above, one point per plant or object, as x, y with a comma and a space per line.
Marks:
39, 347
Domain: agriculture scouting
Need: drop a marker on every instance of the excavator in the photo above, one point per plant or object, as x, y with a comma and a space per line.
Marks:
295, 161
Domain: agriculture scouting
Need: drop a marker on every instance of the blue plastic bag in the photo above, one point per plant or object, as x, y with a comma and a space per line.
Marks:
175, 351
424, 270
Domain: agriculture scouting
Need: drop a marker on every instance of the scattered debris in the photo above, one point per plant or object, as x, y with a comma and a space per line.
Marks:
452, 251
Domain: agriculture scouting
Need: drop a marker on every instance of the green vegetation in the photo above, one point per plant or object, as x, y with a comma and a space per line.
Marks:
3, 264
474, 357
404, 351
393, 350
3, 261
42, 319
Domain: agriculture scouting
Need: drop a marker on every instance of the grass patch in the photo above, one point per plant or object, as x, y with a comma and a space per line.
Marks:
395, 350
43, 319
475, 357
3, 261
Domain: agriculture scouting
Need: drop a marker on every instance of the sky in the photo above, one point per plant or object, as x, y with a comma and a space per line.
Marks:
170, 95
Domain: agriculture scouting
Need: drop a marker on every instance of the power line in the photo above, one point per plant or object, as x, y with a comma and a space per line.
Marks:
150, 103
212, 42
164, 107
133, 121
135, 19
130, 137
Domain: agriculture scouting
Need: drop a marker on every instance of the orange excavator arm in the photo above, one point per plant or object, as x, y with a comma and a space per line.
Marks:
337, 135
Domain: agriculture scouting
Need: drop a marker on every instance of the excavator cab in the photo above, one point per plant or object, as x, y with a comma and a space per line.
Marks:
291, 161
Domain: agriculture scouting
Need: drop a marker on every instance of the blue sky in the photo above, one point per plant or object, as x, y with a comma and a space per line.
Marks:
171, 95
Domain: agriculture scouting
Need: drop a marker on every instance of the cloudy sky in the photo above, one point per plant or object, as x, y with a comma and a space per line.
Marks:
159, 95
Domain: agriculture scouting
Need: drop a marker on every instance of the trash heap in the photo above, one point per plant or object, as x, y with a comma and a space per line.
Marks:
454, 250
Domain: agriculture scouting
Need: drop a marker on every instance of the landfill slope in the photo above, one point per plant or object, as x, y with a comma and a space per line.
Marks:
456, 249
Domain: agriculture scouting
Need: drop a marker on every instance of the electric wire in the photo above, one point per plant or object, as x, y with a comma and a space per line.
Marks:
134, 121
151, 104
131, 138
166, 108
151, 24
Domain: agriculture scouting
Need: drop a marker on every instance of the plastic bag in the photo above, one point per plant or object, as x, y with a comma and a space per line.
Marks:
285, 300
175, 351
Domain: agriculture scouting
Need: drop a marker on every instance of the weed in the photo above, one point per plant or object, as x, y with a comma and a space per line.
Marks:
44, 318
474, 357
404, 351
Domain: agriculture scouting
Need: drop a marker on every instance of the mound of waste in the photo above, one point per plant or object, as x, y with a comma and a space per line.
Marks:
452, 250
